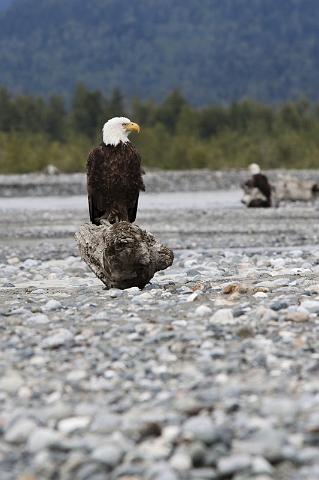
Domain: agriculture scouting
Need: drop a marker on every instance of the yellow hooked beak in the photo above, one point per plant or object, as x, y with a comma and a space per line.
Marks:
133, 127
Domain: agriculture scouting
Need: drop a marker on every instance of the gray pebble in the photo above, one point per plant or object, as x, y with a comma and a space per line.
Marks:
223, 316
235, 463
311, 306
201, 428
51, 306
39, 319
62, 337
42, 438
161, 471
110, 454
20, 430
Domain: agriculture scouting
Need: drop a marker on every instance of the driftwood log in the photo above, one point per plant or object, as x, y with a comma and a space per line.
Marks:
122, 255
293, 189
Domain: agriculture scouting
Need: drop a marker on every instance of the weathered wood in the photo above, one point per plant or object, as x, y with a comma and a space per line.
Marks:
294, 189
122, 255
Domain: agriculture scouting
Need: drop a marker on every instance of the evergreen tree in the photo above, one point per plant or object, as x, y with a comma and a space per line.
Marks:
88, 111
55, 118
7, 120
168, 113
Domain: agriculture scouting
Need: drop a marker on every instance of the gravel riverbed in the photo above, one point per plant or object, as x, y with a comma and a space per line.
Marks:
211, 372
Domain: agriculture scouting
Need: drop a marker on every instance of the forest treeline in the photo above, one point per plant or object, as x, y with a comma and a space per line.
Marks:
35, 132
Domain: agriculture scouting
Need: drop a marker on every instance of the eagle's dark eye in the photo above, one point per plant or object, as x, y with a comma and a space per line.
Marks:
124, 124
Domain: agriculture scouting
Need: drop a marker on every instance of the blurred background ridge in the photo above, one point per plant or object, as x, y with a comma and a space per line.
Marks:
212, 51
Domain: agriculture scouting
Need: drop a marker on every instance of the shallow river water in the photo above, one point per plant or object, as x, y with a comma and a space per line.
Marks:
156, 201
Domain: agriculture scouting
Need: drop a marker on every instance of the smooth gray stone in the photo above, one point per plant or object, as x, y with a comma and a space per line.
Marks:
201, 428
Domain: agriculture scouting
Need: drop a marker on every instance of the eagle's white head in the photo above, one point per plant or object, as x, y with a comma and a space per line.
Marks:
254, 169
117, 130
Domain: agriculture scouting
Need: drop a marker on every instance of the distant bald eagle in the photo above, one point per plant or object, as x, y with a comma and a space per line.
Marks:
114, 174
257, 189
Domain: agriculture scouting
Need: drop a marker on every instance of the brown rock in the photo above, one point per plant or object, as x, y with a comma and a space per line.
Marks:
298, 317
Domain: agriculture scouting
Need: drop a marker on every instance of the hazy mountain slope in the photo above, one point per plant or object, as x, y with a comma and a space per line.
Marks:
213, 50
4, 4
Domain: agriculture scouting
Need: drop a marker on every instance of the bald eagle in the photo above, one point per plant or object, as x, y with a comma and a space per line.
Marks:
114, 174
257, 189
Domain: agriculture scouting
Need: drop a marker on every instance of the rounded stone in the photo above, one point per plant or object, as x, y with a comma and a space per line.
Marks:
181, 461
228, 466
70, 425
11, 382
109, 454
39, 319
42, 438
20, 431
311, 305
60, 338
298, 317
200, 428
202, 311
52, 305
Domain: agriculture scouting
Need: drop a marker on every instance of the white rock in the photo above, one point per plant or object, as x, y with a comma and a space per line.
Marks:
115, 292
109, 454
296, 253
228, 466
193, 296
60, 338
181, 461
297, 317
25, 392
105, 423
277, 262
224, 316
133, 291
42, 438
8, 271
200, 428
260, 295
20, 431
38, 319
149, 295
266, 314
311, 306
38, 291
13, 260
143, 297
155, 449
52, 305
69, 425
202, 311
76, 376
170, 433
260, 466
30, 263
207, 345
11, 382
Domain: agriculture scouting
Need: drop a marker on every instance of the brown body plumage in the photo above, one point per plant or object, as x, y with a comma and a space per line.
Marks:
114, 180
261, 182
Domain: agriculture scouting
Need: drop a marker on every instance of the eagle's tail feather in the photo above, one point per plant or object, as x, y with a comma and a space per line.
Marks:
116, 214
